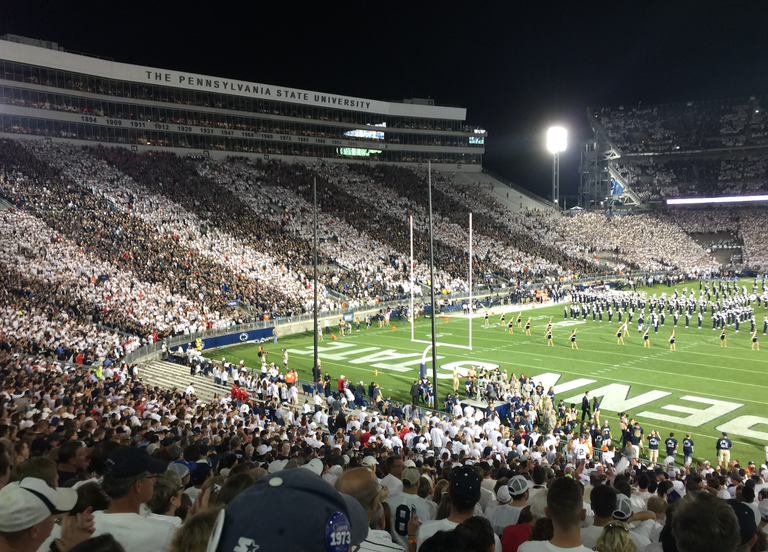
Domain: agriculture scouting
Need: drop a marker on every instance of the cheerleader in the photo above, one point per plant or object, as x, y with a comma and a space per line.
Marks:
528, 326
511, 326
487, 323
619, 334
549, 337
502, 321
574, 345
723, 341
755, 344
646, 339
549, 326
519, 320
672, 346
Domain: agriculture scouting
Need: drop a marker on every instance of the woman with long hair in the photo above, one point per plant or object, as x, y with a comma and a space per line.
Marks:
615, 538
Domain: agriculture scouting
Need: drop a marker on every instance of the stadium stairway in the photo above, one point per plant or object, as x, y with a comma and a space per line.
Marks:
517, 202
169, 375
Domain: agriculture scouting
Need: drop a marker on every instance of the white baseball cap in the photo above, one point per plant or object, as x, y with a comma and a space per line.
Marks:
315, 465
369, 461
26, 503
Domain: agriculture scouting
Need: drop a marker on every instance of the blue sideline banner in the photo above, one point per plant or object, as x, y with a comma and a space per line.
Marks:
252, 336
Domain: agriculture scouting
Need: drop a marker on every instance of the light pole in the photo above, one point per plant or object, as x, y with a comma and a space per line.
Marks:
557, 140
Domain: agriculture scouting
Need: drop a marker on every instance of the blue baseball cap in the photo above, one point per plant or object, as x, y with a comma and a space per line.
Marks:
330, 521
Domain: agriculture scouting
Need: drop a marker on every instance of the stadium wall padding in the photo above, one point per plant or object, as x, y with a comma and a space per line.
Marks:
234, 339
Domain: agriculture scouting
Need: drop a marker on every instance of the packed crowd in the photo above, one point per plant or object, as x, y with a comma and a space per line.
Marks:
111, 295
369, 268
697, 176
169, 245
512, 241
97, 460
704, 221
225, 215
145, 233
645, 241
676, 127
752, 228
745, 226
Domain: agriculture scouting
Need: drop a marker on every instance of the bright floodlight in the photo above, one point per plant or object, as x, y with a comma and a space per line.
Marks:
557, 139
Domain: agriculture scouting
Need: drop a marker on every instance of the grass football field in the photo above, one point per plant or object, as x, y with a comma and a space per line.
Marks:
701, 388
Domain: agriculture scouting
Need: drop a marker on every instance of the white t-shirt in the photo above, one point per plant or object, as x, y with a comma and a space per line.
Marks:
136, 533
589, 536
639, 500
192, 492
401, 505
393, 484
546, 546
426, 530
429, 529
502, 516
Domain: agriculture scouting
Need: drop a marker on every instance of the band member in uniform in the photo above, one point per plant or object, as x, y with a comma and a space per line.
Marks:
574, 345
723, 342
619, 334
755, 344
672, 346
528, 326
646, 339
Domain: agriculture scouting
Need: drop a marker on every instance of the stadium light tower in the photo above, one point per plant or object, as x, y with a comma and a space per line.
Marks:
557, 140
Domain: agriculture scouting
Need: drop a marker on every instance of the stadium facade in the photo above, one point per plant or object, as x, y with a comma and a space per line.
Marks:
51, 93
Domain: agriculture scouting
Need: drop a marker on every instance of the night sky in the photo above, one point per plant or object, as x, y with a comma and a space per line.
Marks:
517, 69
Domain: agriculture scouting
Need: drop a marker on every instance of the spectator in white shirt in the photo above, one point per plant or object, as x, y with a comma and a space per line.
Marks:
129, 483
565, 507
27, 510
510, 505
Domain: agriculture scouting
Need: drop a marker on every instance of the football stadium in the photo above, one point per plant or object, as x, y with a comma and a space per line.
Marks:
209, 281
